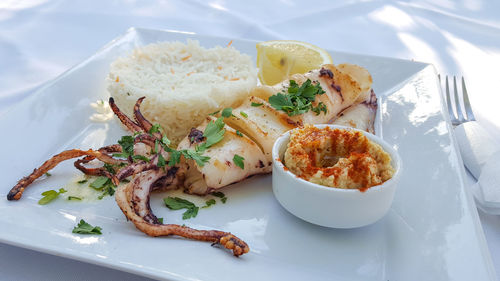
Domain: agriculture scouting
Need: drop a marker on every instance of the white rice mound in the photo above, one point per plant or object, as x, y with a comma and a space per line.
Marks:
182, 83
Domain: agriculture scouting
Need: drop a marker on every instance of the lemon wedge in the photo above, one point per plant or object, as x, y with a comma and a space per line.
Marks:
279, 59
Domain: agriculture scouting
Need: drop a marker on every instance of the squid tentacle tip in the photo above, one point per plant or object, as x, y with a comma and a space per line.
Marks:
231, 242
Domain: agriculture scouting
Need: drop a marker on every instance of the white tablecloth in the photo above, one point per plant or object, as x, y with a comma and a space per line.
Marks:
39, 39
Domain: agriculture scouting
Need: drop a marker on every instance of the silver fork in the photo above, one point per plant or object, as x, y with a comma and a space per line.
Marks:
474, 141
459, 117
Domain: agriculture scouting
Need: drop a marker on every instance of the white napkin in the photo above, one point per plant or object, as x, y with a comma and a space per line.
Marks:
481, 155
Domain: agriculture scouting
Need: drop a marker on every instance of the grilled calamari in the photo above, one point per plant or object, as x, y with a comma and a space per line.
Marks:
201, 165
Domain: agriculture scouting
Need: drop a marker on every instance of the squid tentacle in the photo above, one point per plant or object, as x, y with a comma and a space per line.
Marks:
79, 164
124, 198
17, 191
131, 125
141, 120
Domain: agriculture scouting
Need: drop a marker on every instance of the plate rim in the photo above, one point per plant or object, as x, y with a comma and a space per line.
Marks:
85, 257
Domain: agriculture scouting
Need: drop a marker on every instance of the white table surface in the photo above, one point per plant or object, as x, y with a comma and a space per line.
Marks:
39, 39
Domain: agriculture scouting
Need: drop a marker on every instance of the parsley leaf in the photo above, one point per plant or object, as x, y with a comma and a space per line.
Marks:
99, 183
161, 161
213, 127
82, 181
74, 198
196, 156
238, 160
176, 203
109, 168
105, 184
84, 228
48, 174
165, 141
243, 114
239, 133
227, 112
127, 144
160, 220
175, 157
155, 129
190, 213
109, 189
321, 107
218, 194
209, 203
280, 100
214, 132
50, 195
257, 104
140, 157
299, 99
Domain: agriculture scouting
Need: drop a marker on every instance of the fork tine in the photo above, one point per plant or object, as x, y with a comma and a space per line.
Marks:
453, 118
467, 106
460, 116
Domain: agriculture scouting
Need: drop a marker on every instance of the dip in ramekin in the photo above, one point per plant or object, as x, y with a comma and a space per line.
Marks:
337, 157
336, 207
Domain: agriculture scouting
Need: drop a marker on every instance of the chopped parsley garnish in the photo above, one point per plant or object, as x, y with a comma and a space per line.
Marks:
196, 156
239, 133
165, 141
238, 160
214, 113
227, 112
140, 157
257, 104
298, 100
161, 161
99, 183
105, 184
50, 195
74, 198
82, 181
220, 195
109, 168
214, 133
243, 114
155, 129
321, 107
48, 174
190, 213
174, 157
209, 203
84, 228
160, 220
109, 189
127, 144
176, 203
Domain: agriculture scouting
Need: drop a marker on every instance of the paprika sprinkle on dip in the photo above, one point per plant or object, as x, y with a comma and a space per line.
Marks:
338, 158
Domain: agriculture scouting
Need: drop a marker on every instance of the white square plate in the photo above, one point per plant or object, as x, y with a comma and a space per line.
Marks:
432, 231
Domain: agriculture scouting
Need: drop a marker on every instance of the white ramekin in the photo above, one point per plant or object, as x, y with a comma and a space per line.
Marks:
329, 206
